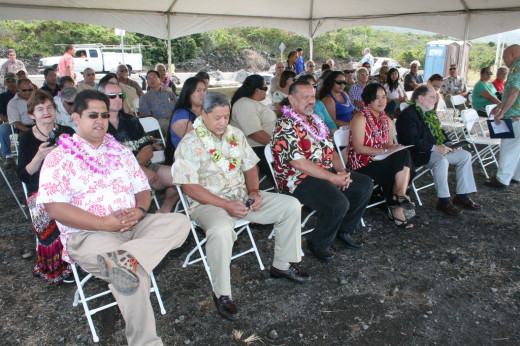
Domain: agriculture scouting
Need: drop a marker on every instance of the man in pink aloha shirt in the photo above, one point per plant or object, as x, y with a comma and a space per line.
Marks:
94, 189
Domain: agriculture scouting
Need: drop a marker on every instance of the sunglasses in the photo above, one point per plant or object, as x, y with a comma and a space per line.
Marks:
94, 115
311, 65
90, 74
350, 71
26, 90
452, 68
70, 104
339, 81
114, 95
123, 70
489, 73
264, 88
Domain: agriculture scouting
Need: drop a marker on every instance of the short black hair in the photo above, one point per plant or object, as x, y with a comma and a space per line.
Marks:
202, 75
369, 93
299, 49
153, 71
47, 70
82, 99
64, 79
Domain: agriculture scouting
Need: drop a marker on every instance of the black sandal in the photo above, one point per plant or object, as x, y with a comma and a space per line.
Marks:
405, 203
403, 224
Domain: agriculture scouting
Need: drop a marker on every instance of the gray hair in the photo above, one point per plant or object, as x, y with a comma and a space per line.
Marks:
88, 69
212, 100
502, 68
159, 64
102, 87
361, 69
421, 90
69, 93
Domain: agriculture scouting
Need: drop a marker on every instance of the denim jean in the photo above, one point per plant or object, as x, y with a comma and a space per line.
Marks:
336, 210
5, 140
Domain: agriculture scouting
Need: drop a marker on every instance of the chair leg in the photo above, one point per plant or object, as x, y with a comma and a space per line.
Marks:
155, 289
254, 247
14, 195
88, 314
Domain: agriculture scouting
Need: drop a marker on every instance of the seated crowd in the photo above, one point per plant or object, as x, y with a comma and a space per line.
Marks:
90, 187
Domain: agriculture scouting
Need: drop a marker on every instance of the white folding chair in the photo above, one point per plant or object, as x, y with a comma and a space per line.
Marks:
489, 108
451, 124
150, 124
402, 106
15, 138
14, 194
341, 138
475, 135
81, 297
270, 160
241, 224
419, 173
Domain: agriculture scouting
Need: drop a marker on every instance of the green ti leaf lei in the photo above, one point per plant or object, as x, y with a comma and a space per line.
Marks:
434, 124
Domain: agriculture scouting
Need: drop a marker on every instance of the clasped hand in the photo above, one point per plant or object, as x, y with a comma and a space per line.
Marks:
342, 180
238, 209
122, 220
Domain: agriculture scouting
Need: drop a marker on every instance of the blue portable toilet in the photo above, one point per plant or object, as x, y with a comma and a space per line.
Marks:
441, 54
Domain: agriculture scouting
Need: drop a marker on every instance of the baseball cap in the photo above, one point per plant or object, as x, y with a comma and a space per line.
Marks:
9, 75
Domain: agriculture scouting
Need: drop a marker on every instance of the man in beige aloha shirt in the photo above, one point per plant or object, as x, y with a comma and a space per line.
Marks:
217, 170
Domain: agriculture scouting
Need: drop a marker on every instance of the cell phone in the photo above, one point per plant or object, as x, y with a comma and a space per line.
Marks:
250, 202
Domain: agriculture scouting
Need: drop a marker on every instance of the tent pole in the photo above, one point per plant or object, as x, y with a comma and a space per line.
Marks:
168, 26
463, 65
311, 48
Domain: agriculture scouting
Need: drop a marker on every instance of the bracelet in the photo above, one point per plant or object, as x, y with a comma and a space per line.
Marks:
254, 190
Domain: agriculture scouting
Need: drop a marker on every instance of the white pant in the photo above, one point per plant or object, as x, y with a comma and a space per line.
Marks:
439, 164
509, 160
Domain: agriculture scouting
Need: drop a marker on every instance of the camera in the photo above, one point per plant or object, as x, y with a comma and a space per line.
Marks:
54, 135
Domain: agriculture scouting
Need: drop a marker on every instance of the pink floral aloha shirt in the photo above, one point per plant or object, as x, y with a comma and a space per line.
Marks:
65, 178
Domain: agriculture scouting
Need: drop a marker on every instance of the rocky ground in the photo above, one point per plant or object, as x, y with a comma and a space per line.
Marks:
450, 280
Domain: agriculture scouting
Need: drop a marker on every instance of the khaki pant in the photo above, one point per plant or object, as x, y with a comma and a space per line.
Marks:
282, 210
149, 241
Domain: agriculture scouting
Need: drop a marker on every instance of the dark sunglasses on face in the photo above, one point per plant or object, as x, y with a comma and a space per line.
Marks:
26, 90
452, 68
94, 115
123, 70
311, 65
90, 74
339, 81
264, 88
114, 95
489, 73
70, 104
350, 71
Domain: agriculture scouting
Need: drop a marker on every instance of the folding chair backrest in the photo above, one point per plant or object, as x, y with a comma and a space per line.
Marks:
489, 108
341, 140
270, 160
151, 124
409, 94
441, 105
458, 100
469, 117
182, 196
402, 106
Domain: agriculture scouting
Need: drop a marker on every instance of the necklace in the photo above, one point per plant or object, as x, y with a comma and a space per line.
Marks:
380, 136
433, 123
297, 118
216, 156
96, 163
41, 133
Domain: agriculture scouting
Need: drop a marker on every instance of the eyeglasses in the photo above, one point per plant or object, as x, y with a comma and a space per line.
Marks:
70, 104
264, 88
123, 70
90, 74
114, 95
340, 81
311, 65
280, 66
452, 68
94, 115
489, 73
350, 71
363, 74
27, 90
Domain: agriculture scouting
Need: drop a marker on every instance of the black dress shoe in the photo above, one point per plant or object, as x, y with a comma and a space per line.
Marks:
226, 307
493, 182
347, 239
323, 255
513, 181
293, 274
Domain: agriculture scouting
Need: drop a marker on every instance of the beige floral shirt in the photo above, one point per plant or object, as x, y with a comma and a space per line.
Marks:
193, 165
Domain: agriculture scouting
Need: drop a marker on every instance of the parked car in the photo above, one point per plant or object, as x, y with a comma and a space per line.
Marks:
378, 62
100, 58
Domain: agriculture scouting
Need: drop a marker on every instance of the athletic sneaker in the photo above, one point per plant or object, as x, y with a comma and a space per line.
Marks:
121, 268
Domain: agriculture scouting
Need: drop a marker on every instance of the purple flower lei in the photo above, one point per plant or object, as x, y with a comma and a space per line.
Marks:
75, 148
297, 118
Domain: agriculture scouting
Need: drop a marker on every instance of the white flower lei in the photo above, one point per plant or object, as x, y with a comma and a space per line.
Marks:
217, 157
297, 118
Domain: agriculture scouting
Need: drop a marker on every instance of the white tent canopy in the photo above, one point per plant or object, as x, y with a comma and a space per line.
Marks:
168, 19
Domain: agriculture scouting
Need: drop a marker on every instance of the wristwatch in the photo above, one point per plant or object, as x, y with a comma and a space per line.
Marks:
144, 212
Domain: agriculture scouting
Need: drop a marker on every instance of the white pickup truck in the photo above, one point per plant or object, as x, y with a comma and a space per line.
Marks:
100, 58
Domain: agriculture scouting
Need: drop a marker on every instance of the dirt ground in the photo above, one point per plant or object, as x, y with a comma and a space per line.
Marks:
448, 281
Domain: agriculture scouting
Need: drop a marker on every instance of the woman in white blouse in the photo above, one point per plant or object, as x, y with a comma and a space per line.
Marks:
394, 92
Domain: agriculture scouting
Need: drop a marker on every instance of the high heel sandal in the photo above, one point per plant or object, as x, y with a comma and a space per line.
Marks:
403, 224
405, 203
